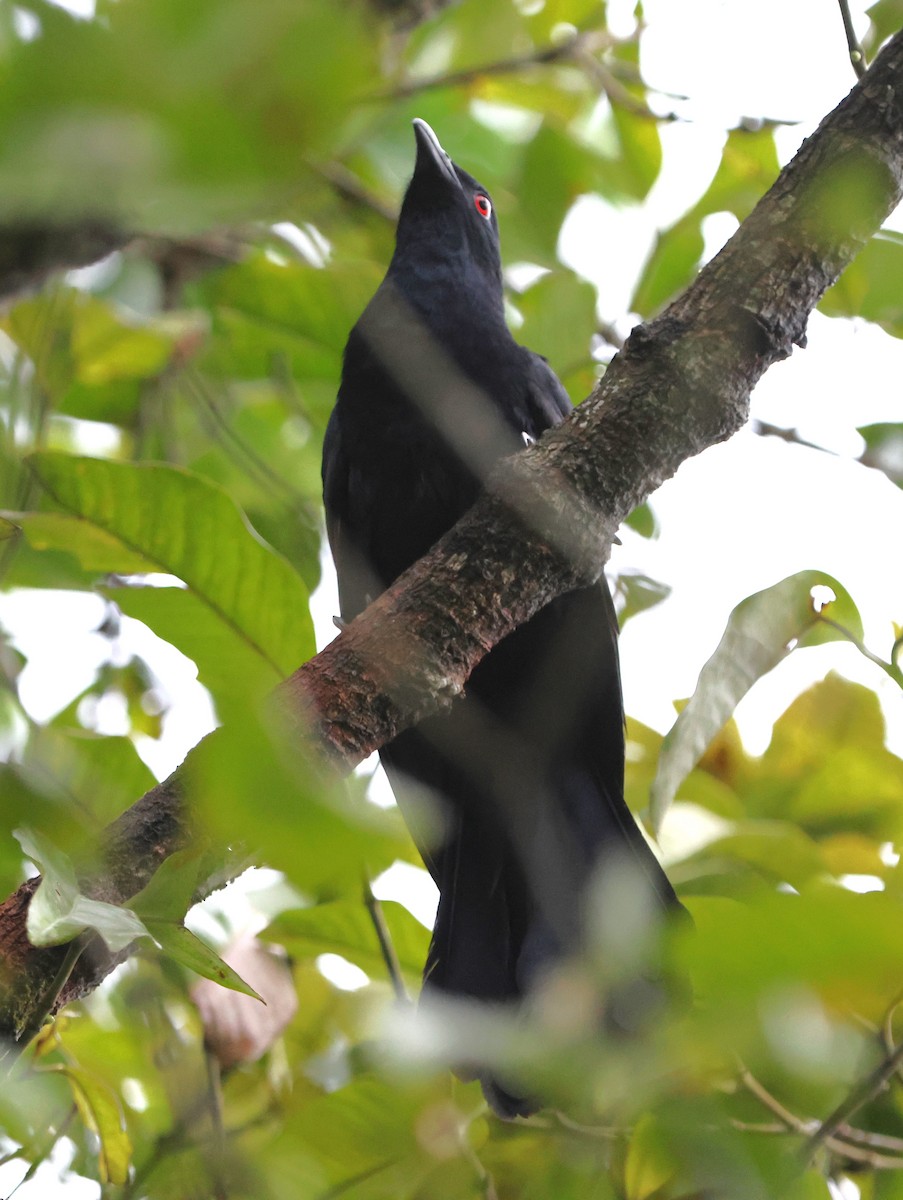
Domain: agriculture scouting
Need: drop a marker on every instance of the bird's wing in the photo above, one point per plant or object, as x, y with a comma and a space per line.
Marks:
357, 583
547, 401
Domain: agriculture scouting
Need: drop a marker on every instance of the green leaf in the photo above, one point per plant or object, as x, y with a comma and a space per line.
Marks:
886, 18
365, 1127
58, 912
173, 886
559, 313
870, 286
810, 1186
760, 632
542, 21
264, 308
322, 833
749, 166
107, 346
38, 802
827, 767
556, 169
777, 850
670, 267
118, 119
96, 549
482, 32
189, 527
95, 348
650, 1161
884, 449
642, 521
102, 775
840, 945
638, 593
344, 927
185, 948
98, 1107
641, 150
229, 667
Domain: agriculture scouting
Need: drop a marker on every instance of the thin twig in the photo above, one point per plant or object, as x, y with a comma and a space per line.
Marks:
873, 1083
791, 436
762, 1094
615, 90
602, 1132
857, 55
485, 1182
868, 1158
836, 1145
868, 458
865, 1137
608, 333
752, 1127
215, 1106
374, 908
592, 41
347, 184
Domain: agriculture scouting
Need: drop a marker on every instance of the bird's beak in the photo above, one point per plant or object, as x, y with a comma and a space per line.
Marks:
430, 155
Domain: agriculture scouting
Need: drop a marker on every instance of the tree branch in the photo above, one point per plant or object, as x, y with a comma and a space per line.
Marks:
31, 253
857, 1149
546, 522
866, 1090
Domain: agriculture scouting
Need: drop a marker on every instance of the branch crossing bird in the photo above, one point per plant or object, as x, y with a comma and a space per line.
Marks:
522, 781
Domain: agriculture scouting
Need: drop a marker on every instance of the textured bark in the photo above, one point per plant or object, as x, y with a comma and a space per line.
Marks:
136, 843
681, 384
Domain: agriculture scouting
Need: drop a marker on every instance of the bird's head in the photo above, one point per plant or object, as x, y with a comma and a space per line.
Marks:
447, 218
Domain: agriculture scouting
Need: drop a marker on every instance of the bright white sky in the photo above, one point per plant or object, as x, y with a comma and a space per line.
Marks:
737, 518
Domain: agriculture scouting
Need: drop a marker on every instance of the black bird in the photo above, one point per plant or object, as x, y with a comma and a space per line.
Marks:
527, 770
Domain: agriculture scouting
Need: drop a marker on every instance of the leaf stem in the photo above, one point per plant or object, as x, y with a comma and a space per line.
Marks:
46, 1003
889, 668
856, 1149
873, 1083
857, 55
374, 908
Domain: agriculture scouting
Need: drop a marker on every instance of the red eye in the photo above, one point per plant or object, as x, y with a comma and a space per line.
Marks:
482, 205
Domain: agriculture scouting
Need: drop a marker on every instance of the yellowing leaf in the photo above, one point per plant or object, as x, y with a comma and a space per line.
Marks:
99, 1108
650, 1162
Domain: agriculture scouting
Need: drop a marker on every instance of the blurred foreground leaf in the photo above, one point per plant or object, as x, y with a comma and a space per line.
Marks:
344, 927
253, 788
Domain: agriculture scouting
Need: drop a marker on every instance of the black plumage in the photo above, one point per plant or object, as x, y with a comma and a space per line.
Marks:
528, 768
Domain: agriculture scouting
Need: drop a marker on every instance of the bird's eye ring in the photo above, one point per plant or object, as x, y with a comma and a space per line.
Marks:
482, 205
